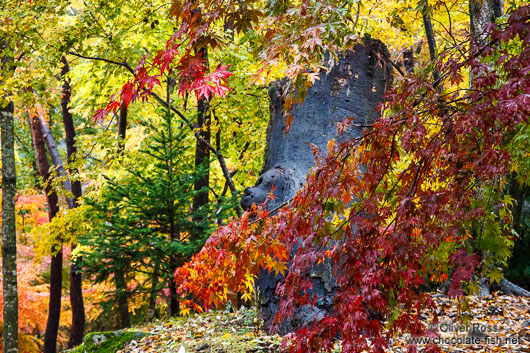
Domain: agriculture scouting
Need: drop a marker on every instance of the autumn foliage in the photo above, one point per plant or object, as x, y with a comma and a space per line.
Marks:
181, 58
425, 196
33, 289
279, 35
417, 207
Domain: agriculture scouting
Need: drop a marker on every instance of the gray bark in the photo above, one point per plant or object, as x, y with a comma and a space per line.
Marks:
510, 288
56, 157
353, 87
484, 287
9, 236
483, 12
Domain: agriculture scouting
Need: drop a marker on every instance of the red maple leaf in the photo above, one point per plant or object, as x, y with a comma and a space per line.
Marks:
128, 93
100, 115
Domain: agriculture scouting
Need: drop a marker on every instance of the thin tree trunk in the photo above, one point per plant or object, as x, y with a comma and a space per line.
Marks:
429, 33
119, 275
408, 60
54, 308
123, 306
518, 192
122, 128
152, 299
69, 128
174, 306
56, 268
54, 153
76, 281
9, 236
45, 135
202, 152
174, 234
481, 13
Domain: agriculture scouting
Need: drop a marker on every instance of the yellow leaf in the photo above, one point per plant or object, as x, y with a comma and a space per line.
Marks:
279, 267
185, 311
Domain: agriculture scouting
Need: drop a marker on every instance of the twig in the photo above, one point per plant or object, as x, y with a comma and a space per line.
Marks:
273, 210
397, 68
259, 102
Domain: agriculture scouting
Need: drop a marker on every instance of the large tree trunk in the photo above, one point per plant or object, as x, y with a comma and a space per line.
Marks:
54, 309
9, 235
76, 282
352, 87
482, 13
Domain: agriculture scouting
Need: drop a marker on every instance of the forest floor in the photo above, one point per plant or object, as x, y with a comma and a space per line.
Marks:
500, 322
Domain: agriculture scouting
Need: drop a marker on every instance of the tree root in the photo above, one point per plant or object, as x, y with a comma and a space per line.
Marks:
511, 288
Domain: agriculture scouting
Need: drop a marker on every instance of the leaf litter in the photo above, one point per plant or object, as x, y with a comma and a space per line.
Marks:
500, 322
215, 331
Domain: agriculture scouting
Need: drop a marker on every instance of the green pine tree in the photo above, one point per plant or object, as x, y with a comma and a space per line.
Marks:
142, 223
